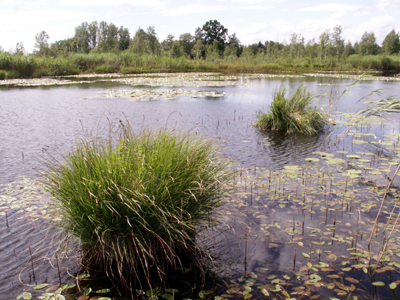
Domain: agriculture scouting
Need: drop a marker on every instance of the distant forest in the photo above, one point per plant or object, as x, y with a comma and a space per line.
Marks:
211, 43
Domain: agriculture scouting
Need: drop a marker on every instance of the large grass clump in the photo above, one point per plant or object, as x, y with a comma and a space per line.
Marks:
135, 201
292, 115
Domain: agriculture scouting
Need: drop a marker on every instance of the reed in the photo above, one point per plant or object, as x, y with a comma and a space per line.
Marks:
135, 201
292, 115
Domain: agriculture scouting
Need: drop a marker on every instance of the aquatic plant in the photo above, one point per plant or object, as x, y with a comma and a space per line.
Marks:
135, 200
292, 115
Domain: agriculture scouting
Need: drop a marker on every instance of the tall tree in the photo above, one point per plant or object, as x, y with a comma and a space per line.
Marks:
153, 41
213, 31
19, 49
324, 40
368, 45
296, 45
198, 49
41, 46
124, 38
140, 43
337, 40
82, 37
349, 49
107, 37
391, 43
166, 44
187, 42
93, 30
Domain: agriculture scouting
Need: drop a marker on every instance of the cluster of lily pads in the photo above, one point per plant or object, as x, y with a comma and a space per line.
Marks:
326, 229
149, 95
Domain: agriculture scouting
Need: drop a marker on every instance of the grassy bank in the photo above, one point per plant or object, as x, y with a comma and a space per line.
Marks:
20, 66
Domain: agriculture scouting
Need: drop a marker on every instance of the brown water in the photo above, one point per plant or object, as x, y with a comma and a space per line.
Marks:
36, 119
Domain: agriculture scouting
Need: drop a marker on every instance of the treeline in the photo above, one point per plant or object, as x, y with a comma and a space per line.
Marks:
103, 47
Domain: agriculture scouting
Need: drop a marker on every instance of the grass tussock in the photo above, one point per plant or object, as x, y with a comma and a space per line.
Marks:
292, 115
136, 201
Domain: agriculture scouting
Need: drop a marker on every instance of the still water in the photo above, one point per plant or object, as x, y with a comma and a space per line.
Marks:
40, 119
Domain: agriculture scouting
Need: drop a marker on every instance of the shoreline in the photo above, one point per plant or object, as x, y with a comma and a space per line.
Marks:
182, 79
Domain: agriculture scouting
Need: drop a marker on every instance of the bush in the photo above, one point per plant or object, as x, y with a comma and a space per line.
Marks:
2, 75
135, 201
292, 115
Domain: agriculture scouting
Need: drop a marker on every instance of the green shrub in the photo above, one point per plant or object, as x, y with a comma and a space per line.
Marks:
135, 201
293, 114
2, 75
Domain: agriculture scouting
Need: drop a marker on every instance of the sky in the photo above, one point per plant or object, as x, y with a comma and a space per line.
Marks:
251, 20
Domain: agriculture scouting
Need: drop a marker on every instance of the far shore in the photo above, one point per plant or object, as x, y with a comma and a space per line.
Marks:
182, 79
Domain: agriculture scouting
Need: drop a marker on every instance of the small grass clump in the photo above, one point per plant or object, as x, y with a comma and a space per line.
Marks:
135, 201
292, 115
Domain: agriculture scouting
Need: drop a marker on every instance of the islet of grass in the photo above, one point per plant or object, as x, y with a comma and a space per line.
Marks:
135, 202
294, 114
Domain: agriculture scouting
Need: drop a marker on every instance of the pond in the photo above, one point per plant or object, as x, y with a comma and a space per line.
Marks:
303, 210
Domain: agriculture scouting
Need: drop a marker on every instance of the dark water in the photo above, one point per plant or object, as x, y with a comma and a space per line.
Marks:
36, 119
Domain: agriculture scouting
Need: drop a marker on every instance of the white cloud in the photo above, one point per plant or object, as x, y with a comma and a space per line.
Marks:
59, 24
269, 2
337, 15
139, 3
380, 26
191, 9
331, 7
256, 7
383, 5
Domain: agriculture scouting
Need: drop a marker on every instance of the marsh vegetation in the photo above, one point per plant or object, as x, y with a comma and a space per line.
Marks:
293, 114
101, 47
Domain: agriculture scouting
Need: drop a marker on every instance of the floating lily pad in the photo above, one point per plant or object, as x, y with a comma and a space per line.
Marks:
312, 159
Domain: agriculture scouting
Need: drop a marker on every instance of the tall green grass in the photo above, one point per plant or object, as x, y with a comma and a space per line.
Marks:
294, 114
136, 201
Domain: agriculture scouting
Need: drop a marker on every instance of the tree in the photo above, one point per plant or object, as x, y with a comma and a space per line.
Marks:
93, 34
1, 49
233, 48
19, 49
198, 49
64, 47
311, 50
187, 42
213, 51
349, 49
337, 40
41, 46
124, 38
107, 37
166, 44
324, 40
213, 31
368, 45
296, 45
82, 37
391, 43
154, 44
140, 43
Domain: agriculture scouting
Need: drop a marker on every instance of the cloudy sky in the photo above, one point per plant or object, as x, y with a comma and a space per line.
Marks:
251, 20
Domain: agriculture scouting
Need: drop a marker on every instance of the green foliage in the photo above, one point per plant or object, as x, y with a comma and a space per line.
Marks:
293, 114
391, 43
105, 69
2, 75
135, 200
